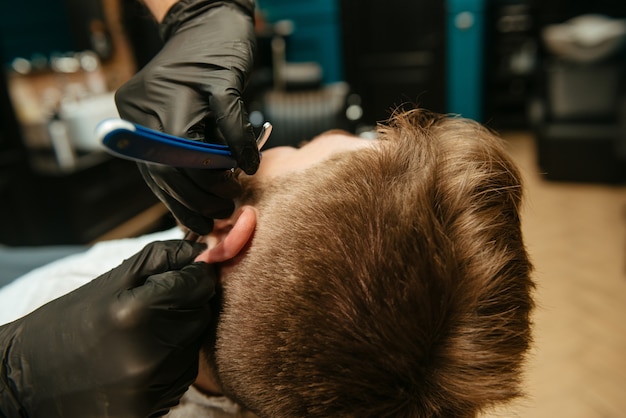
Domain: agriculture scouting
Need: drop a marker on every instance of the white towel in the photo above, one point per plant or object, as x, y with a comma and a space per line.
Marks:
48, 282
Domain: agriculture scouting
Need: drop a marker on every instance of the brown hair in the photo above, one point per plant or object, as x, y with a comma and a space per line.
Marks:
390, 281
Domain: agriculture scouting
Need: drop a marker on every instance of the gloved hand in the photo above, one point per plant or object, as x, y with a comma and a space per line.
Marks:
124, 345
192, 88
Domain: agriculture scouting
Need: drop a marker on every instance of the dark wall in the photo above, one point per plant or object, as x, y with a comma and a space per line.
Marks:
394, 53
34, 27
557, 11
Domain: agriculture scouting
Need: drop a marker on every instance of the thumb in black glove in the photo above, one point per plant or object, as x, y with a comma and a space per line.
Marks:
193, 89
124, 345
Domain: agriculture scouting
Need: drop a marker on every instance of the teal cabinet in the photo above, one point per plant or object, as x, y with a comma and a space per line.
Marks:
317, 32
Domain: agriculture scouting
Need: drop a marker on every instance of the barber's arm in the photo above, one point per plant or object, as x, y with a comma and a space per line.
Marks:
192, 88
124, 345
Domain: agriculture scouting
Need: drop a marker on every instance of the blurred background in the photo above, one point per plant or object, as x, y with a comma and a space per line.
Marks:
547, 75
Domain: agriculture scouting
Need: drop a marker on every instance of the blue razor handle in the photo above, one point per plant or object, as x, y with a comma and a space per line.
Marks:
135, 142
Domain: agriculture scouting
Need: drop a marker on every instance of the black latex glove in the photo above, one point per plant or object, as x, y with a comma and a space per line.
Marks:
124, 345
192, 88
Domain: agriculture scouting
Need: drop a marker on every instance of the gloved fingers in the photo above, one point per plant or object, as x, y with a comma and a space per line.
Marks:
185, 184
191, 220
149, 103
164, 95
199, 221
227, 83
139, 99
188, 218
186, 290
156, 257
171, 309
219, 75
184, 215
176, 374
234, 124
204, 205
180, 189
222, 183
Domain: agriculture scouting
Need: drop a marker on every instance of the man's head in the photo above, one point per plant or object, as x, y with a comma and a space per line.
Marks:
383, 278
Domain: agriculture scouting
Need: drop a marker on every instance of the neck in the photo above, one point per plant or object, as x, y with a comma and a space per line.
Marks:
206, 381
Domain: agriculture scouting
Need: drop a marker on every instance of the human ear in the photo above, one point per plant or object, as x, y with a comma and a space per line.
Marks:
234, 240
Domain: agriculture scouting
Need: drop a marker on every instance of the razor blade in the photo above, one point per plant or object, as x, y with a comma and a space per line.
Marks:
135, 142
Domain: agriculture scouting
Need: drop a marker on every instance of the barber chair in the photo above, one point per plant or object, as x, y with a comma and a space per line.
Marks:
580, 116
292, 95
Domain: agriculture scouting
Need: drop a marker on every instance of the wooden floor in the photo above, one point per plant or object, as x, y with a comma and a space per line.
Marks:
576, 235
